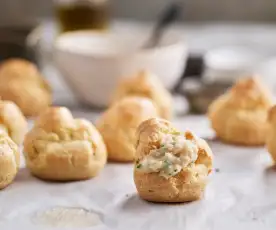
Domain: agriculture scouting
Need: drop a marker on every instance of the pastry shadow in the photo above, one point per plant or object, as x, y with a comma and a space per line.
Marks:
270, 170
134, 204
56, 181
118, 162
24, 175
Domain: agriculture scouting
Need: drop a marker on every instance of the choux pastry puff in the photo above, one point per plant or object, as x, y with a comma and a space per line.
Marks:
9, 160
12, 121
147, 85
62, 148
240, 115
271, 133
119, 123
21, 82
170, 166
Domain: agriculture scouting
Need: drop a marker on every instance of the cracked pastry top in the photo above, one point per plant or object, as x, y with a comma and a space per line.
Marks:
170, 166
240, 115
21, 82
62, 148
147, 85
9, 160
119, 123
271, 133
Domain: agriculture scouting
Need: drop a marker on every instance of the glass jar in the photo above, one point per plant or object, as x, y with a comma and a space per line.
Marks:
82, 14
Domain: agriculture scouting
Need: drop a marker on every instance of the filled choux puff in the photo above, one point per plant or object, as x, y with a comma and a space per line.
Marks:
240, 115
147, 85
9, 160
119, 123
12, 121
21, 82
271, 133
170, 166
62, 148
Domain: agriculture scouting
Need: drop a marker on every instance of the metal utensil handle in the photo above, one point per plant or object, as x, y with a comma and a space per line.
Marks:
194, 69
170, 15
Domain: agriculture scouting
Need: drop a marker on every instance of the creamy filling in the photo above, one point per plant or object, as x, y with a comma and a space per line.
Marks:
174, 154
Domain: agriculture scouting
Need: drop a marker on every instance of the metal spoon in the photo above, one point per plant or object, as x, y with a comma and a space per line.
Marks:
170, 15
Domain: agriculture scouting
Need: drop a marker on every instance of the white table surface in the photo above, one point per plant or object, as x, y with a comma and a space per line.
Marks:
240, 195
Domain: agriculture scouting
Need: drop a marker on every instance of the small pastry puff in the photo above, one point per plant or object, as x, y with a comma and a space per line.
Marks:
21, 82
271, 133
9, 160
62, 148
240, 115
148, 85
12, 121
170, 166
119, 123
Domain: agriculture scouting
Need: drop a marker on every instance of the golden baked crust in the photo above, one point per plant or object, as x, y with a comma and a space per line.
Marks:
187, 185
239, 116
147, 85
12, 121
271, 133
9, 160
119, 123
21, 82
62, 148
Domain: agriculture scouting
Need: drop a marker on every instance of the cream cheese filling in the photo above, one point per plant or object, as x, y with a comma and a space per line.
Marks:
175, 153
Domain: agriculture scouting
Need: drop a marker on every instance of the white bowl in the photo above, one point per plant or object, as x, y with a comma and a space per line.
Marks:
267, 72
227, 64
92, 62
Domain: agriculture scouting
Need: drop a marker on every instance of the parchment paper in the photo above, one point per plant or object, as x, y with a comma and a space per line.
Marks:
241, 194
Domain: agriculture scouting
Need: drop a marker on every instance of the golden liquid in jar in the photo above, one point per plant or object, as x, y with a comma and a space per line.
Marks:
83, 16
